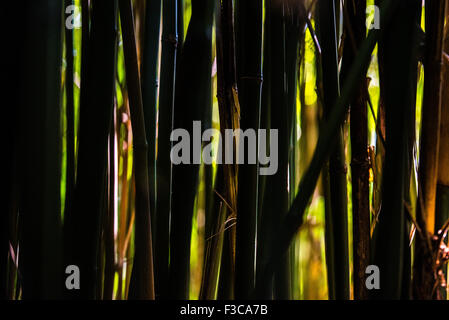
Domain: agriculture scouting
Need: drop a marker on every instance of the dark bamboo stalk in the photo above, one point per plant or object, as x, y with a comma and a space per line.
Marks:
108, 228
97, 100
191, 104
355, 32
165, 126
142, 281
40, 152
337, 196
265, 223
281, 122
249, 80
150, 83
399, 99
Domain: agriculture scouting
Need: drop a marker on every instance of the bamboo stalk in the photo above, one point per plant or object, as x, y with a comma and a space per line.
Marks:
142, 281
228, 111
442, 204
108, 228
355, 32
191, 102
264, 222
249, 79
337, 196
280, 121
163, 163
431, 110
399, 99
97, 100
70, 115
150, 83
424, 279
40, 152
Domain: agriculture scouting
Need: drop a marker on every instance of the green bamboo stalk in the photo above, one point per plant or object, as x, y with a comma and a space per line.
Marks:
294, 217
40, 152
150, 83
70, 118
248, 40
294, 35
163, 163
70, 115
215, 215
355, 31
191, 104
142, 281
97, 100
337, 227
389, 253
295, 23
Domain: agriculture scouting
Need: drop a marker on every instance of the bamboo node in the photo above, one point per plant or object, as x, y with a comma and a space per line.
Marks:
172, 39
258, 78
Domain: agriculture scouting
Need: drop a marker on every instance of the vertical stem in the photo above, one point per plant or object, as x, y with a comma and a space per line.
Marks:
165, 126
424, 281
355, 31
142, 281
249, 80
442, 211
150, 83
97, 100
192, 103
399, 99
264, 219
228, 109
337, 197
40, 152
431, 110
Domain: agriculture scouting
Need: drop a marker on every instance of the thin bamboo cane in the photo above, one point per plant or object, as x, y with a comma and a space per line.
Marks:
150, 83
249, 79
337, 218
142, 281
163, 163
355, 32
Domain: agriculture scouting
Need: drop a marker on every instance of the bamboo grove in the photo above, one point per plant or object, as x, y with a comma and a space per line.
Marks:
358, 91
